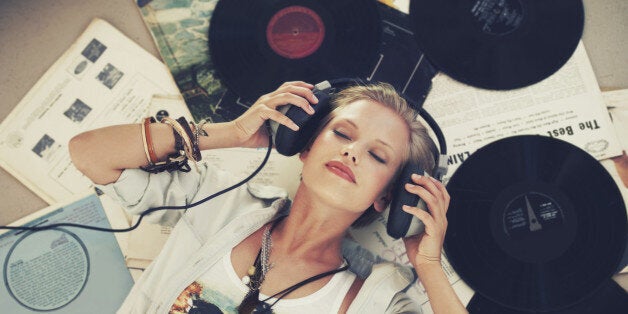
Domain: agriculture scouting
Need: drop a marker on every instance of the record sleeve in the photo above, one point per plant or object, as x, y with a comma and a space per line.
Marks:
498, 44
535, 224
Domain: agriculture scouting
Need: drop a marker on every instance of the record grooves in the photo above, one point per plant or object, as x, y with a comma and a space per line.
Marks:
257, 45
498, 44
535, 225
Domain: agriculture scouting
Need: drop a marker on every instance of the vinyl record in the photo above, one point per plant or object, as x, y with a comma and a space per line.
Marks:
257, 45
609, 299
498, 44
535, 223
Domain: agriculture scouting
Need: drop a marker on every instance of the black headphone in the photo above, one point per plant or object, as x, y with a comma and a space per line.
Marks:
288, 142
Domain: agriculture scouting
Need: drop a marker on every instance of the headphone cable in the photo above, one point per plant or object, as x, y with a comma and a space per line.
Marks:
154, 209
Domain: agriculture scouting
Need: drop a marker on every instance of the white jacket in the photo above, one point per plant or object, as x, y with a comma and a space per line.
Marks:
203, 234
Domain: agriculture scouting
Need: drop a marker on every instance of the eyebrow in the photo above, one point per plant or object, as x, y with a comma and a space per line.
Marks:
356, 127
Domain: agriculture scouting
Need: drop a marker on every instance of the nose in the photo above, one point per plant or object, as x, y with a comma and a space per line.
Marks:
348, 153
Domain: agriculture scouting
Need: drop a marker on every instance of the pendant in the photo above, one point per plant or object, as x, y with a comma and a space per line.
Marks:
263, 308
246, 280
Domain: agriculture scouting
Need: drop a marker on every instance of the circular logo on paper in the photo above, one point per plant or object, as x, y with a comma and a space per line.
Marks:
596, 146
295, 32
46, 270
497, 17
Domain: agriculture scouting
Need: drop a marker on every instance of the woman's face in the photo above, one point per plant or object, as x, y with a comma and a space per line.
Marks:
353, 159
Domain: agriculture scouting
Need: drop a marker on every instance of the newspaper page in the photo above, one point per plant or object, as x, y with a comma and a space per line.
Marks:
104, 78
63, 270
568, 105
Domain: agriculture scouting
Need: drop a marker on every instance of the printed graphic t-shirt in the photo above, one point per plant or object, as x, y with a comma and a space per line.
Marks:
219, 290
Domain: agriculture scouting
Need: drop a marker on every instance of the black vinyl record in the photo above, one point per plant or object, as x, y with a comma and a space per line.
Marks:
498, 44
257, 45
609, 299
535, 224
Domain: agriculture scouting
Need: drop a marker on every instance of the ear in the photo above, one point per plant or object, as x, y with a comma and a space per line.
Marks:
383, 201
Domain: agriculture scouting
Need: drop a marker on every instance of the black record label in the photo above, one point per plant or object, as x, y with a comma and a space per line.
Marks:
498, 44
257, 45
535, 224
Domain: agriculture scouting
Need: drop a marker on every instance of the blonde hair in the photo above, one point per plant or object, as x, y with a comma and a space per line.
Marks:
421, 148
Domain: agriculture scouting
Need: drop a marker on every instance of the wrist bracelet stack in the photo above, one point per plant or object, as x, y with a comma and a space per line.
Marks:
185, 145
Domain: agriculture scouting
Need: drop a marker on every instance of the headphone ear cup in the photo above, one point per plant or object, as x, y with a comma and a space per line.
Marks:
401, 224
289, 142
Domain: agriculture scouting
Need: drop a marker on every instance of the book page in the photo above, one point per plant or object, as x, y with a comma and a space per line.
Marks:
63, 270
104, 78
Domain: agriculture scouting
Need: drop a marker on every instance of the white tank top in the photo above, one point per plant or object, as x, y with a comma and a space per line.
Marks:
220, 288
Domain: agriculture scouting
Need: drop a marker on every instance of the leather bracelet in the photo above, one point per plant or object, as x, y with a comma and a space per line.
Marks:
187, 141
196, 152
178, 141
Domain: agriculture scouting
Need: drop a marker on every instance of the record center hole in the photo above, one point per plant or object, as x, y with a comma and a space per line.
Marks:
295, 31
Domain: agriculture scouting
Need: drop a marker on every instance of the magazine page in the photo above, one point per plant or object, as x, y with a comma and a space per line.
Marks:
104, 78
63, 270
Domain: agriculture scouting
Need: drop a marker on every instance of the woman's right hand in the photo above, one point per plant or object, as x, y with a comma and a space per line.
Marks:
248, 126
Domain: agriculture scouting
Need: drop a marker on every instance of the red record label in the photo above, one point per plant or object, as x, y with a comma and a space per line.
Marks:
295, 32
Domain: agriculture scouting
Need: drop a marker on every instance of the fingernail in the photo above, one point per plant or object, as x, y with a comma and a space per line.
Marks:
416, 176
310, 109
314, 98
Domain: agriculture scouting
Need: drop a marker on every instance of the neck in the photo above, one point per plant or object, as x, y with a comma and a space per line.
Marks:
313, 229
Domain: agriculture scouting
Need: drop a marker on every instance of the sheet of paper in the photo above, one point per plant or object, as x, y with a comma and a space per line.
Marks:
63, 270
281, 171
568, 105
104, 78
401, 5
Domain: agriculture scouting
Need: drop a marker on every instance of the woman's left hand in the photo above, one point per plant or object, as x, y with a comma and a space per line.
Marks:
426, 248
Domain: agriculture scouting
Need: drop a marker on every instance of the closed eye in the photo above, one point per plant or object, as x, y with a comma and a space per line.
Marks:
340, 134
377, 158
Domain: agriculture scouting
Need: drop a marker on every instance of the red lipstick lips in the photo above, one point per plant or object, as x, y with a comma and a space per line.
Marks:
339, 169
